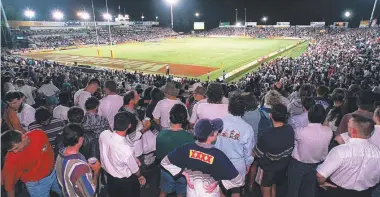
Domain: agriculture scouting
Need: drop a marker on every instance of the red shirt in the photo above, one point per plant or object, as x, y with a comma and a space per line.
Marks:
33, 163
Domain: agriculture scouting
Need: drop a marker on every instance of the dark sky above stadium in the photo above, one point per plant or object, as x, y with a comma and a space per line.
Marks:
298, 12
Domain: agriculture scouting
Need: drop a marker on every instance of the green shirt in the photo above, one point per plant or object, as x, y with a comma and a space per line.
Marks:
168, 140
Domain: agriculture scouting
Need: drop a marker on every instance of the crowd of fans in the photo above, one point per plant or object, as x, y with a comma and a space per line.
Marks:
308, 124
53, 38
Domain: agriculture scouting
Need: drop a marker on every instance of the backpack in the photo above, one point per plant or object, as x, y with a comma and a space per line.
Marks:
265, 122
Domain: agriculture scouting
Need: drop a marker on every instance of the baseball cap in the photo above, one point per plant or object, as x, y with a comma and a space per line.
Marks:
204, 127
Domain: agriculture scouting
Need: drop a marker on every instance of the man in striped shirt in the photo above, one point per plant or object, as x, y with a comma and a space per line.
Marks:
75, 175
45, 121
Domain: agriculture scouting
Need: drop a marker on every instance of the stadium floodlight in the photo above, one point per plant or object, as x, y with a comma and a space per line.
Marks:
197, 14
29, 13
171, 2
57, 15
238, 24
156, 18
84, 15
142, 17
107, 16
347, 14
264, 19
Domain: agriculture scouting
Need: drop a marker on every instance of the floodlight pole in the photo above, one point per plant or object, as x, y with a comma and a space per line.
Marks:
373, 11
96, 30
171, 14
236, 16
109, 24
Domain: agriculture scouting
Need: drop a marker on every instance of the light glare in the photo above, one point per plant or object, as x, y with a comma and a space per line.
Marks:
264, 19
58, 15
107, 16
197, 14
29, 13
347, 14
172, 1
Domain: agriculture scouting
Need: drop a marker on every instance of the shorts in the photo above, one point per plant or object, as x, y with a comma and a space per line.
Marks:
169, 185
269, 178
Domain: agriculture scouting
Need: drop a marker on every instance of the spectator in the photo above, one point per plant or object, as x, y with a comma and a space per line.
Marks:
321, 98
123, 174
156, 95
201, 164
301, 120
311, 148
61, 110
50, 91
92, 122
273, 152
365, 102
353, 167
76, 176
75, 115
27, 90
213, 107
110, 104
45, 122
336, 113
82, 95
8, 85
166, 142
163, 107
24, 112
198, 95
30, 158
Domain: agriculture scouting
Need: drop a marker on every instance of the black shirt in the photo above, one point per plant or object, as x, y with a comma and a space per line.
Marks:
275, 147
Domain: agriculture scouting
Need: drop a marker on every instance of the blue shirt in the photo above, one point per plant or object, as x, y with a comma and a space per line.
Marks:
237, 142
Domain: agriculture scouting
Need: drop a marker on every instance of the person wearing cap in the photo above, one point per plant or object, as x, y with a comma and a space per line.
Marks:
163, 107
202, 164
237, 138
213, 107
118, 159
198, 95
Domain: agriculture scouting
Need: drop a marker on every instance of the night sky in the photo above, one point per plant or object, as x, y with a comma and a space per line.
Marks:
298, 12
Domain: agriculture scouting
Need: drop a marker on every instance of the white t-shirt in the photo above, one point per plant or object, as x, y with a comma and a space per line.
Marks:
209, 111
60, 112
26, 116
28, 92
81, 99
48, 89
109, 106
162, 110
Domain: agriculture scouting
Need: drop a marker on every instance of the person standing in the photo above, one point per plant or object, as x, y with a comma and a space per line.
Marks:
166, 141
81, 96
353, 168
273, 152
29, 158
167, 69
27, 91
49, 90
110, 104
237, 138
311, 148
198, 95
163, 107
45, 122
76, 176
92, 121
24, 112
61, 110
118, 160
202, 164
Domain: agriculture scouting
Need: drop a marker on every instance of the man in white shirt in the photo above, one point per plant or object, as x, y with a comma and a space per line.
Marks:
163, 107
353, 168
311, 148
81, 97
110, 105
213, 107
25, 112
26, 90
62, 109
118, 160
375, 136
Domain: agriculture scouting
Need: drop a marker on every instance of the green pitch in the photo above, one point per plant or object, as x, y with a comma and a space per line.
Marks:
222, 53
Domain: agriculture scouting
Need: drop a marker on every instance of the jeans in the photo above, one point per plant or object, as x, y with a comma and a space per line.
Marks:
376, 191
302, 180
42, 187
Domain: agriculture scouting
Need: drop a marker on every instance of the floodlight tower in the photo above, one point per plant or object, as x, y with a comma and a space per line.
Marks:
171, 2
29, 13
57, 15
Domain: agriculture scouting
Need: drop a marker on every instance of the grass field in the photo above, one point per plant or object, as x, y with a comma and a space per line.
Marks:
214, 54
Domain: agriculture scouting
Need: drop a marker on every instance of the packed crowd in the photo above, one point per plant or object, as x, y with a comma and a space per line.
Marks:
73, 37
309, 124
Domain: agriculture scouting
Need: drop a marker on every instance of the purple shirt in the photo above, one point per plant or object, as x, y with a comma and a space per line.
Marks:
299, 121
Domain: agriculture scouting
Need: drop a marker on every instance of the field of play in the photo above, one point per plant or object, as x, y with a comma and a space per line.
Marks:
193, 57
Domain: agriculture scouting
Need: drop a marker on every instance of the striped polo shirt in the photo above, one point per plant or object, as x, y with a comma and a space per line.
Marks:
52, 128
74, 175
